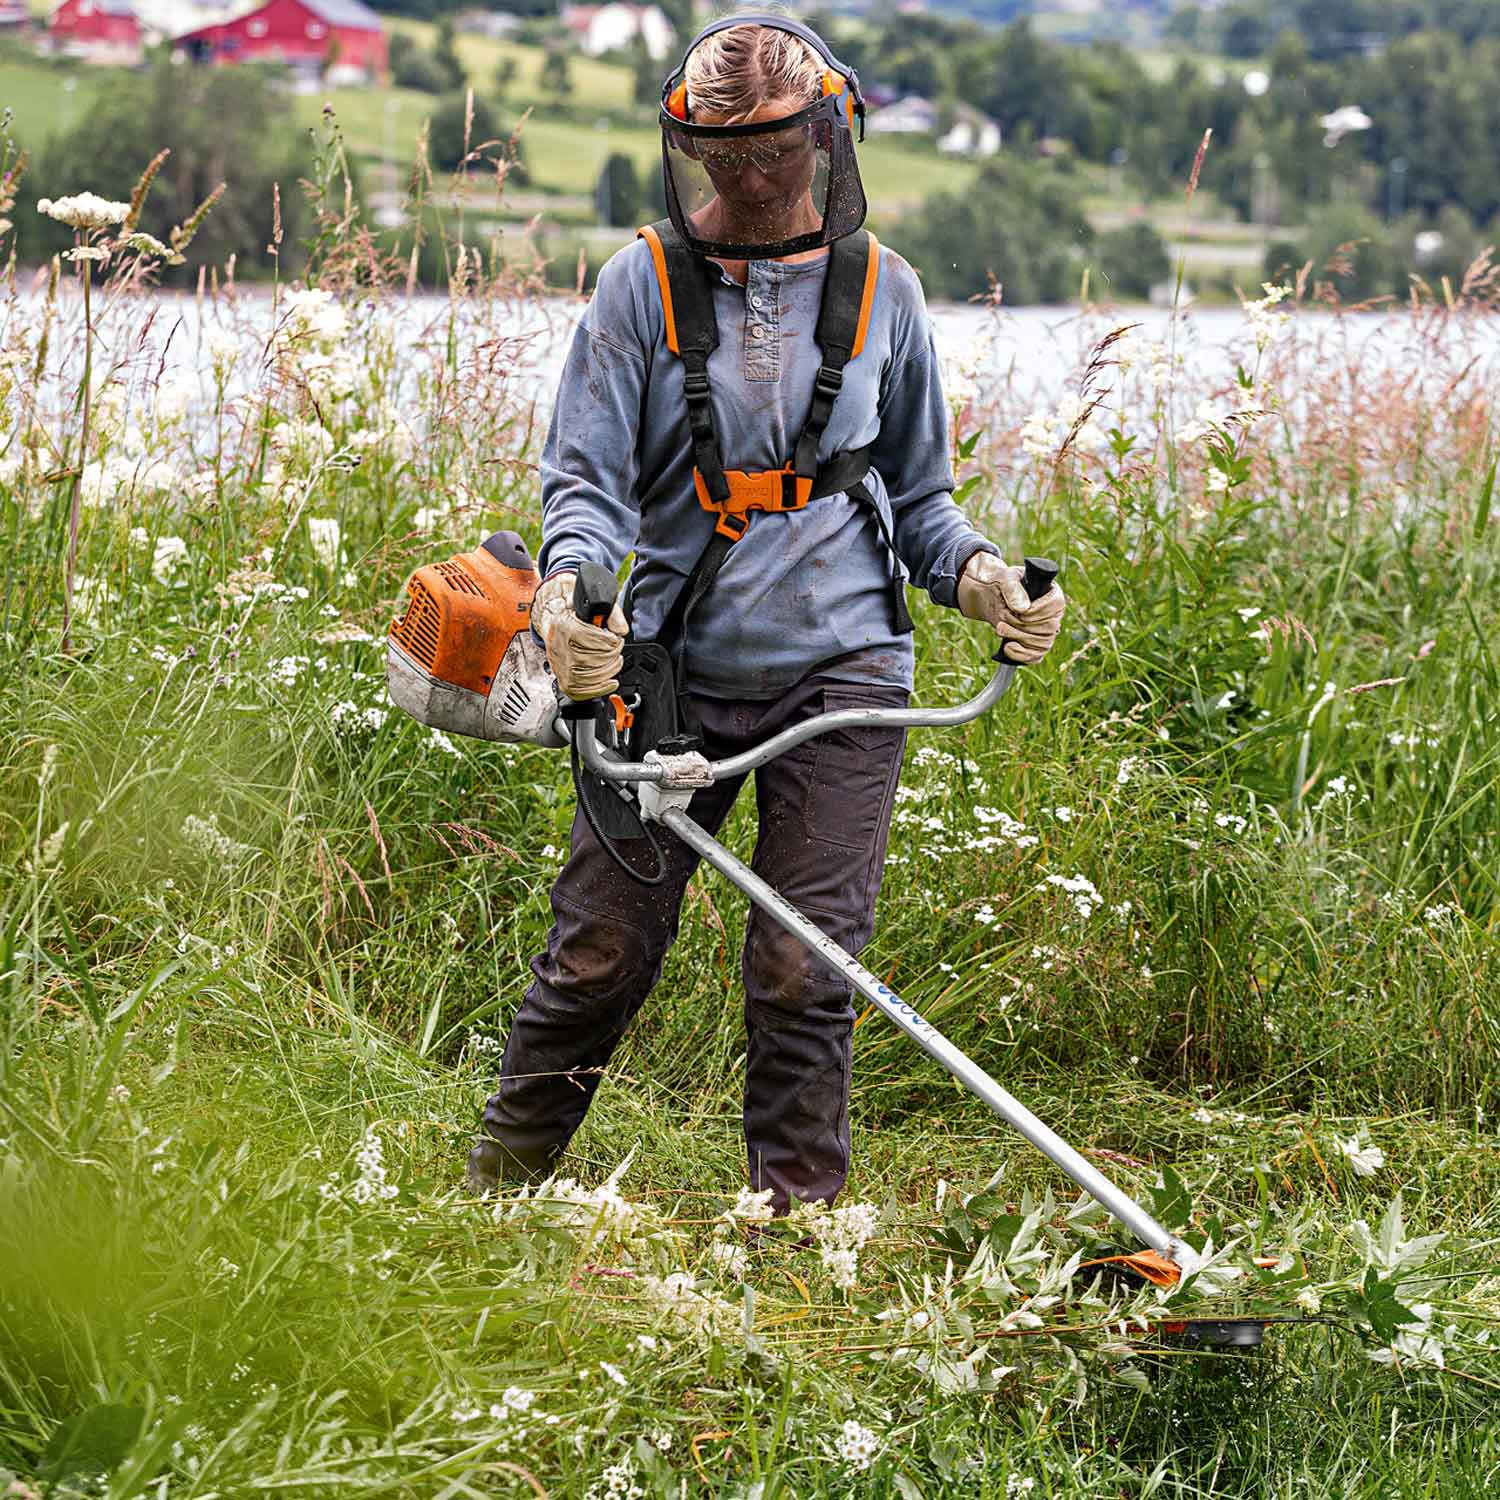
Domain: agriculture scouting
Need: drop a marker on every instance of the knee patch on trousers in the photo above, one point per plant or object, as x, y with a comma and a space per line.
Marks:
783, 974
594, 955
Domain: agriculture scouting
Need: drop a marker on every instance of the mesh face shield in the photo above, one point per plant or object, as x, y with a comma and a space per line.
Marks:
775, 187
772, 187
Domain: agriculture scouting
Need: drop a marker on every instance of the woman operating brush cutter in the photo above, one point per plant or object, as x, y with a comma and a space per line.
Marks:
751, 404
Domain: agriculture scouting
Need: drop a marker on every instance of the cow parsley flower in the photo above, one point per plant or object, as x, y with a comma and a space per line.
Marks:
752, 1207
677, 1298
86, 211
314, 316
349, 718
203, 836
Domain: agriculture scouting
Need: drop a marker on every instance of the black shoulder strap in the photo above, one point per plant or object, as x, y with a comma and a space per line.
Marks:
848, 292
688, 297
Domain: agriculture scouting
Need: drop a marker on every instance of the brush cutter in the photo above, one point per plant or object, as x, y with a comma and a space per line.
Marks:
463, 659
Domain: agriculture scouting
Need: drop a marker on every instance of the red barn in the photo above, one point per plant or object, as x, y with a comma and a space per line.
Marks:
103, 30
300, 32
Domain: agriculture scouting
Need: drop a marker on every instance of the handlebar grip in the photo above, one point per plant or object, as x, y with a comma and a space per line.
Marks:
1039, 574
594, 593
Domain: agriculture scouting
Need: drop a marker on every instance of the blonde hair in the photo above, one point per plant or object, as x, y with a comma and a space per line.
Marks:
735, 71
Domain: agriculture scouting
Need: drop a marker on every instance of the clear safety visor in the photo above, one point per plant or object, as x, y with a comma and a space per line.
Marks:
775, 187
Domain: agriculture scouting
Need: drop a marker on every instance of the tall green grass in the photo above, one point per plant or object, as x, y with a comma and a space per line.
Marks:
253, 924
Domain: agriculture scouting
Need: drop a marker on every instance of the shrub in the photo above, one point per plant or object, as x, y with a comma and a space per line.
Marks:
1132, 259
220, 125
1018, 222
447, 143
618, 191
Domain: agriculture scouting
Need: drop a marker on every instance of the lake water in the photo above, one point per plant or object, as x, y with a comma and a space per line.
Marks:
1017, 360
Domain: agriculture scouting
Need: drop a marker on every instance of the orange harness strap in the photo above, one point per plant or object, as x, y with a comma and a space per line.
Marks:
763, 489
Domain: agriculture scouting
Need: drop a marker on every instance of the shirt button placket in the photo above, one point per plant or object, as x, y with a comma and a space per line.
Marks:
762, 323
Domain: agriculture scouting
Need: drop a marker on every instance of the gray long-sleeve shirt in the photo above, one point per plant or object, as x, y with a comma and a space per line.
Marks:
801, 589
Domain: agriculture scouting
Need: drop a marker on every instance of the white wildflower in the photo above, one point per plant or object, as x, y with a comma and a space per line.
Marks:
1265, 324
349, 718
84, 211
223, 350
148, 244
371, 1183
202, 835
1309, 1301
324, 533
857, 1446
169, 554
1203, 1116
95, 253
731, 1259
1085, 895
753, 1208
1216, 482
313, 316
287, 669
841, 1234
1125, 771
661, 1440
1207, 419
618, 1480
677, 1298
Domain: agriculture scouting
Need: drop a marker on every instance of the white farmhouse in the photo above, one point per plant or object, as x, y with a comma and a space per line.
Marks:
610, 28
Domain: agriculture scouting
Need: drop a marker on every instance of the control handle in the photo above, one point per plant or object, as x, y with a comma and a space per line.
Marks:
1038, 575
594, 594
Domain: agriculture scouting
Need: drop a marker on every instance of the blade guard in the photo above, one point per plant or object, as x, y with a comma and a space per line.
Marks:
462, 658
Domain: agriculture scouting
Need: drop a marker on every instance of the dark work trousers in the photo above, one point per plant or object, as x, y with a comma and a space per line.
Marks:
824, 811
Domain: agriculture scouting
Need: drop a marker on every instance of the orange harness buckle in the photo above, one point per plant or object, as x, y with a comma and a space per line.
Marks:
624, 716
765, 489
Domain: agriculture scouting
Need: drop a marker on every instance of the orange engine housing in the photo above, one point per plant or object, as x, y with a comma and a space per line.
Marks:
464, 613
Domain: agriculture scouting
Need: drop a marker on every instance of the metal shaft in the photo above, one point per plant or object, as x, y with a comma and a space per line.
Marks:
929, 1038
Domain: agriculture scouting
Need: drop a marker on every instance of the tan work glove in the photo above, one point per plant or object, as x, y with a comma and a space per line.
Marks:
990, 590
584, 658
